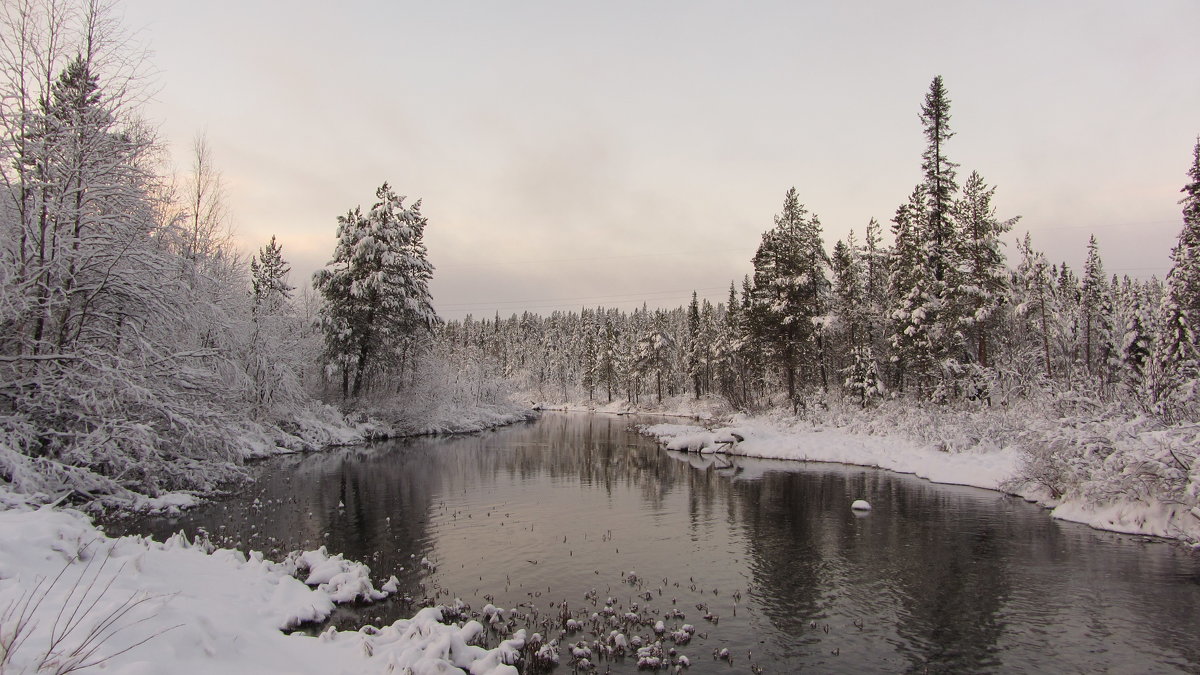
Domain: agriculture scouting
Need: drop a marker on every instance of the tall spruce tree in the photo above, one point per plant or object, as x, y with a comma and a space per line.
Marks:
376, 289
789, 283
695, 346
983, 275
908, 337
940, 186
1176, 362
1093, 304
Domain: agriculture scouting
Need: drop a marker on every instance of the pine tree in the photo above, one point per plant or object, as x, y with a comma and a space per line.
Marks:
983, 275
939, 181
1093, 305
268, 279
1176, 355
376, 289
696, 348
849, 295
862, 376
908, 337
789, 285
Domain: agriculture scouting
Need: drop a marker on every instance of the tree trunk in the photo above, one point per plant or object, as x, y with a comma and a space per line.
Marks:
981, 338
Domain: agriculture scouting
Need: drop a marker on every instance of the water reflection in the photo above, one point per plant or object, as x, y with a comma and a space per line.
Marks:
937, 578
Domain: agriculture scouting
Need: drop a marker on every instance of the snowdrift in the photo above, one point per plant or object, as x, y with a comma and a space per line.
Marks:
71, 596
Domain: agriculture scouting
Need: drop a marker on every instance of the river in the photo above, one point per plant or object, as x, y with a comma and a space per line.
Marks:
935, 578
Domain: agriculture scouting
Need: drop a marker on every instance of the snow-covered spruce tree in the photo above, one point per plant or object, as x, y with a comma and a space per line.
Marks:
607, 360
875, 285
1175, 373
727, 359
653, 356
1033, 274
941, 305
862, 381
588, 370
849, 295
696, 347
1098, 321
710, 320
849, 305
790, 285
268, 279
983, 275
940, 187
1137, 337
908, 334
376, 291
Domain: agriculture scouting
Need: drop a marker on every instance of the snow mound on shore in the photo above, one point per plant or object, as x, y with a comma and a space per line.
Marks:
186, 607
990, 468
803, 442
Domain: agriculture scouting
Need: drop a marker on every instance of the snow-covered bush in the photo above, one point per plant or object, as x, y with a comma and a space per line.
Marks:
1102, 456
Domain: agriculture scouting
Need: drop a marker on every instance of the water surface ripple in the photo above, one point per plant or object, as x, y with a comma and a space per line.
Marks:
936, 579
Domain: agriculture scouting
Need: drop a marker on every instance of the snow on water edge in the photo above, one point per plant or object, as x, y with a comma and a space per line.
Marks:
990, 469
204, 610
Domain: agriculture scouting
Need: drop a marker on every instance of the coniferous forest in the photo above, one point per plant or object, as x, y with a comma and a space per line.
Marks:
878, 454
944, 320
142, 352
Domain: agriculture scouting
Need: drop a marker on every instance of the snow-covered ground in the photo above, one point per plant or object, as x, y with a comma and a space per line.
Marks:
984, 466
804, 442
71, 596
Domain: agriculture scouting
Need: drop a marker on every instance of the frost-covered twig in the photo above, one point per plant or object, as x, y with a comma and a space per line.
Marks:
81, 612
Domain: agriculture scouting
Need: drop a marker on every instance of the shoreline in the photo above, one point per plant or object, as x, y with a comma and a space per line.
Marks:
989, 469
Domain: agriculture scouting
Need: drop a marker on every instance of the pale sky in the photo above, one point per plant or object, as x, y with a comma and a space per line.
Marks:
614, 153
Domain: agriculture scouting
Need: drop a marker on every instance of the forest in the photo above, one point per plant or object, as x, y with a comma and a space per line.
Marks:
142, 352
935, 332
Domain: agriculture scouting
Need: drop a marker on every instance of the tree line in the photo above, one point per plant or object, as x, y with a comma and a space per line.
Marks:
938, 313
140, 350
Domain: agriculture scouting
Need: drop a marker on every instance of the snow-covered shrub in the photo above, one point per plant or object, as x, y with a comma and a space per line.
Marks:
1099, 455
863, 383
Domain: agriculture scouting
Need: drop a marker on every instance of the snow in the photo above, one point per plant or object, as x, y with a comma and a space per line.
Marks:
861, 505
984, 465
772, 439
186, 608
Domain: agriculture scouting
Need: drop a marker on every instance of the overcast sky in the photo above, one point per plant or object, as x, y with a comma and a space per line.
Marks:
572, 153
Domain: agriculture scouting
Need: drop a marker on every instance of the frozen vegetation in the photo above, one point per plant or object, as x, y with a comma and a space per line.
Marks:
142, 354
1132, 492
929, 354
144, 360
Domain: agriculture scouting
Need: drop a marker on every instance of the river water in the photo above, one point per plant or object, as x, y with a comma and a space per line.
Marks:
936, 578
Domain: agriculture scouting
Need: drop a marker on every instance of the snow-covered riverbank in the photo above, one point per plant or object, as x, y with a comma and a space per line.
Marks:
994, 468
311, 429
70, 596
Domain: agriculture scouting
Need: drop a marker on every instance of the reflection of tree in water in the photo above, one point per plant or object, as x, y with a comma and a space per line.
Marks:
344, 498
1110, 592
950, 578
928, 589
786, 557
